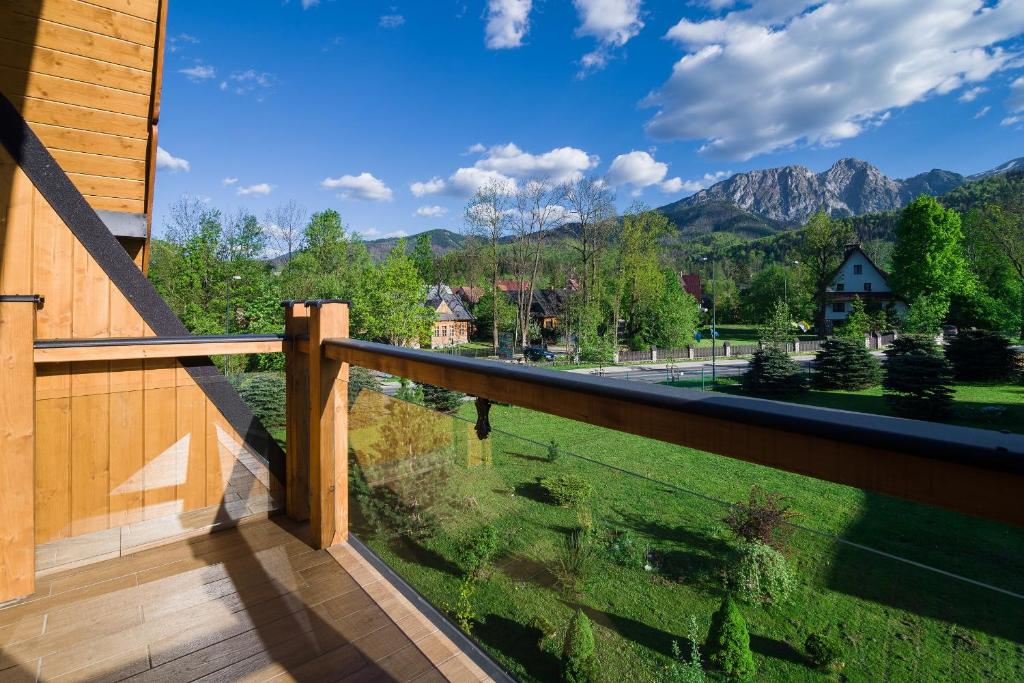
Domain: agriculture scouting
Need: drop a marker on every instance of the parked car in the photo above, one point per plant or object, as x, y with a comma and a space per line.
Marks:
536, 353
949, 330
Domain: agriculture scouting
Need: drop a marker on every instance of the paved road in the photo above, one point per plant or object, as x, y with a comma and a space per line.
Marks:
662, 372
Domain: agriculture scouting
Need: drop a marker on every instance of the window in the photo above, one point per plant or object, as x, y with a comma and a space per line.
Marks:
867, 286
839, 307
840, 286
858, 269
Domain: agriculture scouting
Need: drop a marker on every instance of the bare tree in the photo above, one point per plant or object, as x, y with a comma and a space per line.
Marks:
488, 219
591, 209
284, 224
186, 217
537, 210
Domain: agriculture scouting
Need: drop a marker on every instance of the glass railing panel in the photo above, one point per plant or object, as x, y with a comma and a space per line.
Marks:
510, 535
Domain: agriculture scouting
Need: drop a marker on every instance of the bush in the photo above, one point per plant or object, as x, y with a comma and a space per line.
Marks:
761, 518
625, 548
463, 611
773, 374
824, 652
759, 574
360, 379
979, 355
553, 452
475, 555
686, 670
845, 363
575, 561
728, 643
440, 399
578, 652
264, 393
917, 376
567, 490
407, 391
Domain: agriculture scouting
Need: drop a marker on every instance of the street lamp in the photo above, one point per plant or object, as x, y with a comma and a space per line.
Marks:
227, 314
785, 283
714, 324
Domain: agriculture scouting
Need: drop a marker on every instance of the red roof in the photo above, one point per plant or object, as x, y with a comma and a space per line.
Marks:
513, 285
691, 283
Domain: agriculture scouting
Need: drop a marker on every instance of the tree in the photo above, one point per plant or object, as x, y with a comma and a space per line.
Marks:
578, 650
917, 378
773, 374
423, 258
858, 323
845, 363
676, 316
441, 399
487, 216
396, 301
284, 226
728, 643
591, 209
777, 330
926, 314
536, 212
821, 252
485, 308
1000, 225
928, 259
980, 355
765, 288
637, 283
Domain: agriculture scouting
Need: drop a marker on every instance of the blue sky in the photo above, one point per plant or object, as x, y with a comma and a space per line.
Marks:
392, 112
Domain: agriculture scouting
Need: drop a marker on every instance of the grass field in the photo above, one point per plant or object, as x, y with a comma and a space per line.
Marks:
897, 622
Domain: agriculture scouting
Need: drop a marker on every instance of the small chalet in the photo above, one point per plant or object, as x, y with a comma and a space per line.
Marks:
453, 320
858, 276
546, 308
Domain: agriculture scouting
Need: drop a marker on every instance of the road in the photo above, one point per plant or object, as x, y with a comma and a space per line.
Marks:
662, 372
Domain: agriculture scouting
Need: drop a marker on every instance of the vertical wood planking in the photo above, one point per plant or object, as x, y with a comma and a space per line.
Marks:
90, 446
160, 425
328, 427
191, 434
17, 507
126, 418
15, 228
296, 323
53, 452
53, 261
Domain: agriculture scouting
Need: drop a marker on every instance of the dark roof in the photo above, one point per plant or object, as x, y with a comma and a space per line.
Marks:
547, 303
438, 293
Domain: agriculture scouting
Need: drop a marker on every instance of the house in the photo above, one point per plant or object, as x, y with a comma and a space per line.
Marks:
858, 276
471, 295
453, 319
513, 285
546, 307
691, 285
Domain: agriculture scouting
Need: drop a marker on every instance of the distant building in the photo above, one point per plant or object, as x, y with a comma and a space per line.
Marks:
453, 320
858, 276
546, 308
691, 285
471, 295
513, 285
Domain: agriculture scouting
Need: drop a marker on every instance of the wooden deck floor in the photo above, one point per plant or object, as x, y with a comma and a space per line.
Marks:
250, 603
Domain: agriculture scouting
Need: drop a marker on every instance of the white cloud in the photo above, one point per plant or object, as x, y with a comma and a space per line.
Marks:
972, 94
782, 73
257, 189
477, 148
362, 186
175, 43
504, 164
707, 180
169, 162
433, 186
306, 4
612, 22
229, 181
640, 170
199, 72
1010, 120
250, 80
982, 112
391, 20
507, 23
431, 211
1016, 101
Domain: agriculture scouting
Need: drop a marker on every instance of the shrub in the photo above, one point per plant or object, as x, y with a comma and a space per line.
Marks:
578, 652
845, 363
761, 518
728, 643
575, 561
463, 611
686, 670
475, 555
264, 393
553, 452
824, 651
979, 355
407, 391
773, 374
360, 379
917, 376
440, 399
567, 490
759, 574
627, 549
544, 625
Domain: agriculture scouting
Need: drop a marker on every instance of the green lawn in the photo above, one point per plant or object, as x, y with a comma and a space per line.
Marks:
897, 622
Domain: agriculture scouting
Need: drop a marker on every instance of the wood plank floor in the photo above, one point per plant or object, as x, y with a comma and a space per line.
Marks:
250, 603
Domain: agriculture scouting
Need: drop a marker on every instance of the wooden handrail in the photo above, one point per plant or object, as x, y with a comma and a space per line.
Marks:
133, 348
975, 471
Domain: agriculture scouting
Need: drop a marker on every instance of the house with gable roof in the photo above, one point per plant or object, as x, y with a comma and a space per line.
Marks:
859, 276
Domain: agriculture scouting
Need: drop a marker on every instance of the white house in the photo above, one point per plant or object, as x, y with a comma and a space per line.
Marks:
858, 276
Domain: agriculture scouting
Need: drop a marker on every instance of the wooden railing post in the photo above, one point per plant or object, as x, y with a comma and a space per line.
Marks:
296, 325
17, 446
328, 425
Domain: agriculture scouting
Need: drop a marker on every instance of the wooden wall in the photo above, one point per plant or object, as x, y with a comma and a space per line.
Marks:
116, 442
86, 76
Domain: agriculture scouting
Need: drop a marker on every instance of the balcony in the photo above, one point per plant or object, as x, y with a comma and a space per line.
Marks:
409, 544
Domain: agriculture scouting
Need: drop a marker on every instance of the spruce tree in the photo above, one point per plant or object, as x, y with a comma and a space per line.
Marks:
578, 651
980, 355
773, 374
845, 363
917, 378
728, 643
441, 399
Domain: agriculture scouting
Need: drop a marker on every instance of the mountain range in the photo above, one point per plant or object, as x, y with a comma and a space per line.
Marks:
774, 200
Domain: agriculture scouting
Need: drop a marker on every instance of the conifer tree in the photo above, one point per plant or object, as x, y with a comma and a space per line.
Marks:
980, 355
917, 378
728, 643
846, 364
578, 652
